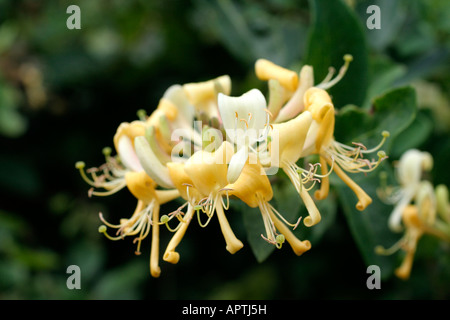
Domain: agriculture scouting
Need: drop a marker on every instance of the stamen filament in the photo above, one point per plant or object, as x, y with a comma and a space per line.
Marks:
299, 247
170, 255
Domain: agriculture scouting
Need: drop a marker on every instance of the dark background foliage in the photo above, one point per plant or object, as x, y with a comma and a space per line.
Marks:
64, 92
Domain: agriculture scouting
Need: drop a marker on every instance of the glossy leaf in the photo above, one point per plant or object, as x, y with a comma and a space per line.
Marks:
335, 32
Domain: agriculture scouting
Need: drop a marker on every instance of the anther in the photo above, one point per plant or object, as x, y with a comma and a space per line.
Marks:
164, 218
381, 154
142, 114
80, 165
107, 151
280, 239
348, 58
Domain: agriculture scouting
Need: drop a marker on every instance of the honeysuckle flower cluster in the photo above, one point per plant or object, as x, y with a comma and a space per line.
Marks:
204, 145
419, 207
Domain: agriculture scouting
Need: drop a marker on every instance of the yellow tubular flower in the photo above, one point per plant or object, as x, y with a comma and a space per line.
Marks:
409, 172
208, 172
291, 138
187, 191
144, 217
285, 85
412, 236
266, 70
343, 158
418, 219
246, 122
253, 188
174, 112
203, 95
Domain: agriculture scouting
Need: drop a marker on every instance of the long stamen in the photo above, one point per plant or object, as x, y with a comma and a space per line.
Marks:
329, 76
293, 225
80, 165
394, 248
165, 220
326, 85
268, 224
385, 135
197, 208
119, 187
102, 229
299, 247
227, 205
145, 229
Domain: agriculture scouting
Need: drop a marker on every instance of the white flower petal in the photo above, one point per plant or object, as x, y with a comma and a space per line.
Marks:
396, 216
236, 165
249, 109
150, 163
128, 155
411, 165
178, 97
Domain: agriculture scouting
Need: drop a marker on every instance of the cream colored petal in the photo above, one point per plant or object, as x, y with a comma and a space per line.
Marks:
178, 97
292, 135
251, 184
199, 92
208, 170
236, 165
158, 172
296, 104
141, 185
127, 154
245, 112
266, 70
411, 165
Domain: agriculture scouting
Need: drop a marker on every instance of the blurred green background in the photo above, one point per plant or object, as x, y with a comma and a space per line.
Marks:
64, 92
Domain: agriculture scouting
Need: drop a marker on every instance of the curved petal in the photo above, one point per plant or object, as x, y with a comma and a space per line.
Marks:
245, 112
292, 135
150, 163
236, 165
127, 154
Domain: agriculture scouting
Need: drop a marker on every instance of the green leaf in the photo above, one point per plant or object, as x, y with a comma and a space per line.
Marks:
370, 227
254, 226
122, 283
251, 31
328, 209
414, 135
393, 111
335, 32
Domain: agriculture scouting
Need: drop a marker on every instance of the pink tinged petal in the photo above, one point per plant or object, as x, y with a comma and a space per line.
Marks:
150, 163
178, 97
295, 105
128, 154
